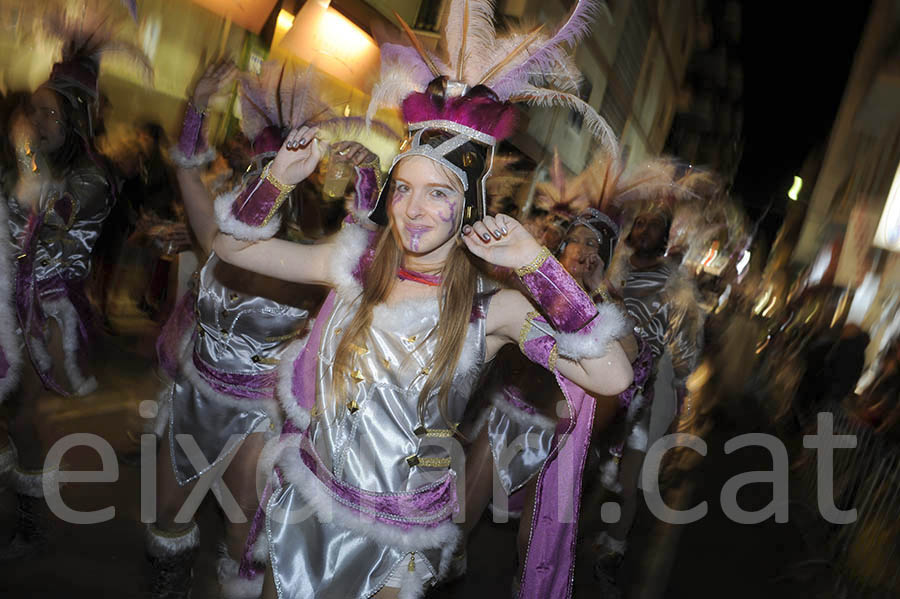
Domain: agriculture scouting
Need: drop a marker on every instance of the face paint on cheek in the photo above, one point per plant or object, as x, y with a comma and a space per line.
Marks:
395, 197
414, 241
451, 212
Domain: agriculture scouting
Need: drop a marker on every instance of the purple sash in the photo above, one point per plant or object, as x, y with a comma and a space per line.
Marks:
243, 386
550, 559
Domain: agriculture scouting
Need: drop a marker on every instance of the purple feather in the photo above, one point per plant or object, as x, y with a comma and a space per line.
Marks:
131, 5
575, 28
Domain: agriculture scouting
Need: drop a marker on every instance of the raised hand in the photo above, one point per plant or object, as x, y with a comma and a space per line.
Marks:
502, 241
216, 76
298, 157
354, 152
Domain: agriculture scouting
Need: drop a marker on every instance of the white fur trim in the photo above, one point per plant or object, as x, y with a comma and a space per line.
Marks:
233, 586
232, 226
10, 339
609, 475
195, 161
446, 535
260, 551
63, 312
608, 325
284, 391
31, 484
350, 244
38, 349
269, 406
412, 586
161, 544
409, 314
637, 439
520, 416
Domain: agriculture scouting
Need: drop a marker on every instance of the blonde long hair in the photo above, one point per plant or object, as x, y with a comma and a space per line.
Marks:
455, 304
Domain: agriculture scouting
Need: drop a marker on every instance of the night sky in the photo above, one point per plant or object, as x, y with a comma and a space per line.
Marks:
796, 58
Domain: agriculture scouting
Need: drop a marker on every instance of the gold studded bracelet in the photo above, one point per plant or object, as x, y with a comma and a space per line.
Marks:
535, 264
283, 188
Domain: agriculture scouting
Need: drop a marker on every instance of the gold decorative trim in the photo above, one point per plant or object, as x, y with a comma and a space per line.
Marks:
551, 359
414, 460
280, 338
284, 188
526, 328
535, 264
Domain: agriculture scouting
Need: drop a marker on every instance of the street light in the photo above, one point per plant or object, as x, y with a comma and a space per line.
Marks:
794, 191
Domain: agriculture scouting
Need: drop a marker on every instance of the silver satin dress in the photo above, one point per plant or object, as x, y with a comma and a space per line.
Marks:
375, 447
240, 338
65, 241
73, 212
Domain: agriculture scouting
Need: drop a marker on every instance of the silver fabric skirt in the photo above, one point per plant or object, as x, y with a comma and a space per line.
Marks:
207, 430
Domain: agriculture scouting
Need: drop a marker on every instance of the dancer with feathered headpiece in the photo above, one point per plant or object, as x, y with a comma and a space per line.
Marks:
58, 195
388, 369
226, 337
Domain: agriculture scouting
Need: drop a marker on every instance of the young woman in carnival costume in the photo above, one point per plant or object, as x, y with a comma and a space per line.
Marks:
58, 195
362, 500
661, 299
223, 343
520, 418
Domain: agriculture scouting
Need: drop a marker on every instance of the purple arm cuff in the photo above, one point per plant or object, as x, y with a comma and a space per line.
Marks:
191, 141
253, 214
559, 296
257, 203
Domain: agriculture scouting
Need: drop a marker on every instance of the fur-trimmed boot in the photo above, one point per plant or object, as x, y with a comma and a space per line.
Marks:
32, 516
235, 583
171, 556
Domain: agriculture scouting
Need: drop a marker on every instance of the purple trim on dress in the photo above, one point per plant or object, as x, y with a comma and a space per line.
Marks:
244, 386
248, 569
560, 297
30, 293
191, 142
168, 344
429, 506
550, 558
513, 395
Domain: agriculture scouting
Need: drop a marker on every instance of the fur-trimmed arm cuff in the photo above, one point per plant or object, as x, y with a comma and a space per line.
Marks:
252, 213
191, 150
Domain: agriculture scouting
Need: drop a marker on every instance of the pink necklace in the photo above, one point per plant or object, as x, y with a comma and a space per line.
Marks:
419, 277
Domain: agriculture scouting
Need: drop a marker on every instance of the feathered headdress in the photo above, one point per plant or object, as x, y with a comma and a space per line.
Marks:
88, 33
519, 66
283, 96
459, 109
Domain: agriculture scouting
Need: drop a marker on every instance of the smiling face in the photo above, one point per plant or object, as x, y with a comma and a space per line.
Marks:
426, 203
46, 115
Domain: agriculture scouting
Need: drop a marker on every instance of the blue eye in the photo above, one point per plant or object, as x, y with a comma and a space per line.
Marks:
402, 188
438, 194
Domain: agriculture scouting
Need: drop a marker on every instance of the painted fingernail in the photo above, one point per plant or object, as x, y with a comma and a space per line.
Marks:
467, 229
505, 231
486, 237
497, 233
